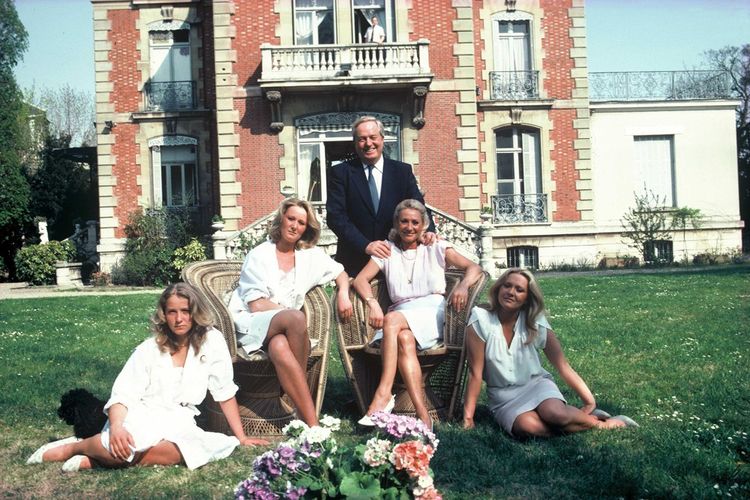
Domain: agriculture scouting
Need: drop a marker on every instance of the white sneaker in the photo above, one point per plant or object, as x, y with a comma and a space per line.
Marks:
367, 421
73, 463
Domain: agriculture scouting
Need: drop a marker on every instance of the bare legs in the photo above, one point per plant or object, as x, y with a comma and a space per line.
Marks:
163, 453
553, 416
399, 350
289, 349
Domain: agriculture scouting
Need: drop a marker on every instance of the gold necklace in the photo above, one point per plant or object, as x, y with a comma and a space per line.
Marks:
404, 260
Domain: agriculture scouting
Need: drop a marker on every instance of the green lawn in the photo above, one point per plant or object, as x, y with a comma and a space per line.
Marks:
670, 350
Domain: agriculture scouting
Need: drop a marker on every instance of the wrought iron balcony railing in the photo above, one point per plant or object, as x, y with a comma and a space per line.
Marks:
320, 62
514, 85
519, 208
659, 85
170, 96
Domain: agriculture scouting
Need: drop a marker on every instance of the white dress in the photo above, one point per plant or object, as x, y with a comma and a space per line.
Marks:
516, 381
261, 278
161, 399
416, 286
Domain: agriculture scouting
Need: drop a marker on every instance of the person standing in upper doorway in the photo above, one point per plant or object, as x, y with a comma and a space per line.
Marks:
375, 33
362, 195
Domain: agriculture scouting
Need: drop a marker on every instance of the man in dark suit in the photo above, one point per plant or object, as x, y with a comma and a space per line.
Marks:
362, 195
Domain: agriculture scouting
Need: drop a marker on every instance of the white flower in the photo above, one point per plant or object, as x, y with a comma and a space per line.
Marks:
294, 424
424, 481
316, 434
330, 422
329, 463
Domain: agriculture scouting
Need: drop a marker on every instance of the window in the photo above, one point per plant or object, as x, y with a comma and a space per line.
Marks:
513, 76
313, 22
518, 161
364, 10
523, 256
178, 176
658, 251
654, 165
325, 140
170, 86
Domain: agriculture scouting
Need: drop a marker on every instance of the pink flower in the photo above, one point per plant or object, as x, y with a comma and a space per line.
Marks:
413, 457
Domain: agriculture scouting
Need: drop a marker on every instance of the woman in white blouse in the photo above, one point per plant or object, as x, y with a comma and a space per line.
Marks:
415, 276
152, 409
502, 345
266, 306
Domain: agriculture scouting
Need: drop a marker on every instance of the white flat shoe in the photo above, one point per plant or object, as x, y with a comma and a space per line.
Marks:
629, 422
367, 421
601, 414
73, 463
36, 457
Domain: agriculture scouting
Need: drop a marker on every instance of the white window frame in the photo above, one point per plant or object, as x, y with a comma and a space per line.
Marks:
654, 165
517, 16
389, 23
312, 11
523, 154
157, 183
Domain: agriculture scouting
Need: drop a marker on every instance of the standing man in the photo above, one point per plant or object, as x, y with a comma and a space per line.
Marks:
375, 33
362, 195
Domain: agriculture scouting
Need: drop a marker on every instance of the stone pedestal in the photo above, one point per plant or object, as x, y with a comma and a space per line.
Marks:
68, 274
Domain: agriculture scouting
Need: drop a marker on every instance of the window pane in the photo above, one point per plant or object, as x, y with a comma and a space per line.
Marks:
325, 27
181, 36
317, 4
505, 166
520, 27
191, 193
653, 165
504, 188
176, 184
504, 138
504, 26
372, 4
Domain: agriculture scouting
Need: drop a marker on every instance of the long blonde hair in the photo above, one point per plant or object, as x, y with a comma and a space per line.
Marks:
534, 306
199, 314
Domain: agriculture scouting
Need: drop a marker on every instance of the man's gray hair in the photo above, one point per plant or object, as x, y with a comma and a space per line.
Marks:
365, 119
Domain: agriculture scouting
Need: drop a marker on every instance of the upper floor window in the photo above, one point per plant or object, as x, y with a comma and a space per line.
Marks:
654, 165
170, 85
314, 22
513, 75
373, 17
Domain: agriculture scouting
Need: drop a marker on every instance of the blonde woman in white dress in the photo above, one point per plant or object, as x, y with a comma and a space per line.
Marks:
266, 306
415, 276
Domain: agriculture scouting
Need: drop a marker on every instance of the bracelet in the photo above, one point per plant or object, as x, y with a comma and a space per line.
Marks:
368, 299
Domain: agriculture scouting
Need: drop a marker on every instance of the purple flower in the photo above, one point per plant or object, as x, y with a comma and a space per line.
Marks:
294, 492
266, 465
255, 488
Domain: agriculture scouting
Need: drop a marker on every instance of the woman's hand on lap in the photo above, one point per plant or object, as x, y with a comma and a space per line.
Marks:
459, 297
121, 442
376, 315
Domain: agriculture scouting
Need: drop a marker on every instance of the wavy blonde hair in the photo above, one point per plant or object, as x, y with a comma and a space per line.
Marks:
199, 313
414, 205
312, 232
534, 306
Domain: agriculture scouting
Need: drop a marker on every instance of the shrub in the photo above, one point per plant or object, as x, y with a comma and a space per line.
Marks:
101, 279
152, 238
36, 263
192, 252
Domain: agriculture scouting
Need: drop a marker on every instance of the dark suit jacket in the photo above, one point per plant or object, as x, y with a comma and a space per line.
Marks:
351, 214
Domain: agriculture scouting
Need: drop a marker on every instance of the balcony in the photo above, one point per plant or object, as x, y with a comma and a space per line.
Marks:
170, 96
659, 85
519, 208
334, 65
514, 85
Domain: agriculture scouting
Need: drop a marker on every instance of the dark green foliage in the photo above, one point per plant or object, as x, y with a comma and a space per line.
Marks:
36, 263
14, 190
61, 190
152, 238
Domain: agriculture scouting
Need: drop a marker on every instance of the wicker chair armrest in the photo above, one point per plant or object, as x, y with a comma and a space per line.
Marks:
455, 321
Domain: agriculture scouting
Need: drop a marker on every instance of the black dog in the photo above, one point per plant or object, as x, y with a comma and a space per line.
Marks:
84, 411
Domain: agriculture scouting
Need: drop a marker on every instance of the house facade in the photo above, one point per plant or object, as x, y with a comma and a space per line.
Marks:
226, 106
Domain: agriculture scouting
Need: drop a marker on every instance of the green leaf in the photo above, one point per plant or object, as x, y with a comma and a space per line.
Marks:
360, 485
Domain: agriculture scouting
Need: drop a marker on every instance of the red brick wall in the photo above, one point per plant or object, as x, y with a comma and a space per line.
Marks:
559, 84
125, 171
259, 154
256, 23
565, 175
557, 43
437, 144
124, 55
433, 20
125, 78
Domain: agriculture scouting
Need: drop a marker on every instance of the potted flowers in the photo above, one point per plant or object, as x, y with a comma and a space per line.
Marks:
311, 463
217, 222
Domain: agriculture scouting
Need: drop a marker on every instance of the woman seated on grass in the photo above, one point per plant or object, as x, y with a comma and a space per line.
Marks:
415, 275
502, 345
151, 412
266, 306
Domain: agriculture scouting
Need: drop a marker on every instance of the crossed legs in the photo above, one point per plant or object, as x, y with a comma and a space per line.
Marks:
398, 350
553, 417
289, 349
